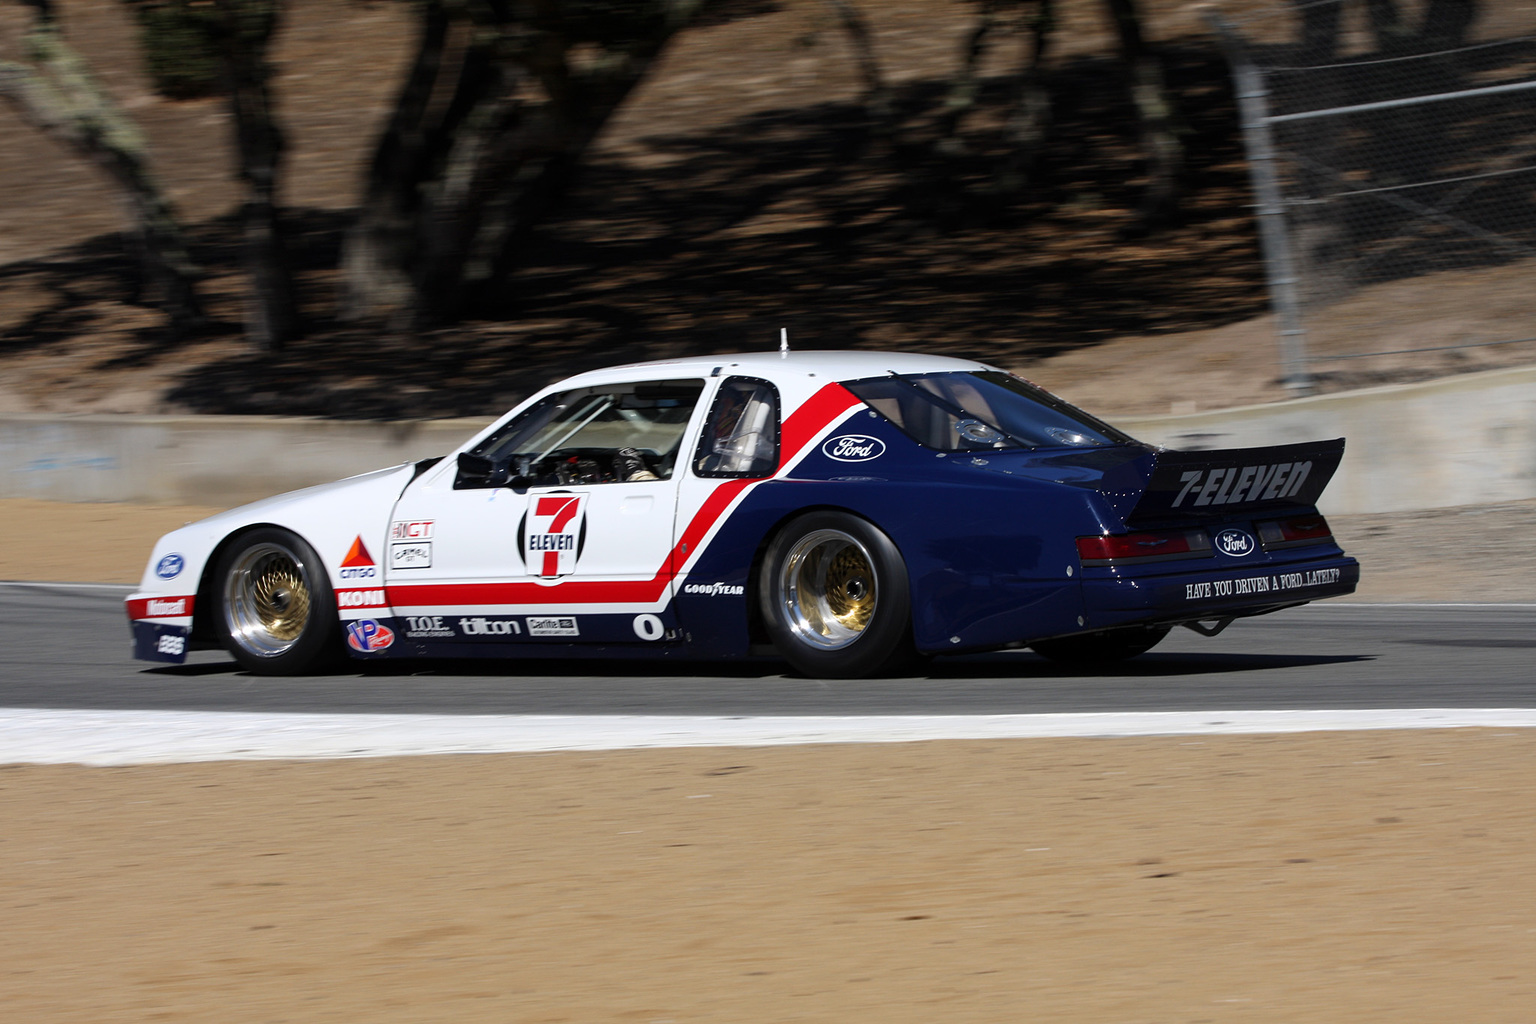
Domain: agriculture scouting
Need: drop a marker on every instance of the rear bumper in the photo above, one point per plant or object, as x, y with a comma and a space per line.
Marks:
1212, 593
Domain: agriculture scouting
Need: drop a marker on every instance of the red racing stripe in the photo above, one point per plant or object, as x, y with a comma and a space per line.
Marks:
803, 424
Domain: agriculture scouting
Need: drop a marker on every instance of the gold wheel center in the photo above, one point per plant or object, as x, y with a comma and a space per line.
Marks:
281, 599
850, 599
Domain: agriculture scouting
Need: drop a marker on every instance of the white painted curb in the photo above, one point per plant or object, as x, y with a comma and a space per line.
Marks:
148, 737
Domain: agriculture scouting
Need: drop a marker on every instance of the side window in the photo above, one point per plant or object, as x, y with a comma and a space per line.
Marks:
598, 435
741, 435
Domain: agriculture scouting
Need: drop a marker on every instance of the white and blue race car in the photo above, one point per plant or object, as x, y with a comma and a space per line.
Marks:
845, 511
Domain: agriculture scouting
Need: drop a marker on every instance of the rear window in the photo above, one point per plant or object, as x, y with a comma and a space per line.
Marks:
984, 409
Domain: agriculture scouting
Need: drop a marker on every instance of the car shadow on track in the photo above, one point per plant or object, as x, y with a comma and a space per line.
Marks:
999, 665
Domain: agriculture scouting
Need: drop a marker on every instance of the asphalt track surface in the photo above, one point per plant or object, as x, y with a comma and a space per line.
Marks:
66, 647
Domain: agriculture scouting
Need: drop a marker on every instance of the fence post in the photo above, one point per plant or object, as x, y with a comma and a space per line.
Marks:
1274, 239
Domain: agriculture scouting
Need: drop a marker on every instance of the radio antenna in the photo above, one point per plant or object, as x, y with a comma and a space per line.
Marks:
783, 341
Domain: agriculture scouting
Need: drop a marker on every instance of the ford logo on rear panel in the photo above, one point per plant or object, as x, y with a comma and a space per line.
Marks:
1236, 543
853, 448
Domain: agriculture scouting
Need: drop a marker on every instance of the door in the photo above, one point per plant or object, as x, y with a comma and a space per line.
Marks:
556, 528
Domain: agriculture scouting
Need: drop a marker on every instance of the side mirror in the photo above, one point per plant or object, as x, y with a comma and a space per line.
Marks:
477, 471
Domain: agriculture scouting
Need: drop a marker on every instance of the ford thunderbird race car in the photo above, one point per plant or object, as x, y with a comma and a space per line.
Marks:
845, 511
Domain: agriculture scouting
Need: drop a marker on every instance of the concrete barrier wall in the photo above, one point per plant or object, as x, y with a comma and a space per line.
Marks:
1458, 441
203, 460
1462, 440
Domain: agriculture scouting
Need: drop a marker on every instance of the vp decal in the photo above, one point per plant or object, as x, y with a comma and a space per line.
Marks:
367, 635
853, 448
552, 534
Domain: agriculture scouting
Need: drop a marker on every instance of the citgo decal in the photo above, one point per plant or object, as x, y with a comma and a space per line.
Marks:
359, 563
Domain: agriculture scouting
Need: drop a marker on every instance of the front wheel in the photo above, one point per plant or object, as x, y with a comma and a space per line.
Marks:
833, 593
276, 609
1102, 648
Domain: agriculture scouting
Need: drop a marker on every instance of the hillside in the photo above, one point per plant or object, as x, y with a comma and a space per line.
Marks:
729, 198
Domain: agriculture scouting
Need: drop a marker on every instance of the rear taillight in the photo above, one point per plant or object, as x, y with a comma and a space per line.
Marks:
1294, 531
1131, 548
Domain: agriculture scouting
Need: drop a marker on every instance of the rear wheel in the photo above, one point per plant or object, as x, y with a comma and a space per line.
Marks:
276, 609
1101, 648
833, 592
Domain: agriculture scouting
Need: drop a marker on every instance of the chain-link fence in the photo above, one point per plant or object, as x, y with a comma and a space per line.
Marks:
1393, 152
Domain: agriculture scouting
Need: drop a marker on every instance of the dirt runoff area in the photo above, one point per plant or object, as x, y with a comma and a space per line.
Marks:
1361, 877
1304, 878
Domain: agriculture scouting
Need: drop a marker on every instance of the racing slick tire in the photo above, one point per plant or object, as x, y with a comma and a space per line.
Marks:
834, 598
276, 609
1102, 648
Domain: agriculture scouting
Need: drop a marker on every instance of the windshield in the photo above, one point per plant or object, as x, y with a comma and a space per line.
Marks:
980, 409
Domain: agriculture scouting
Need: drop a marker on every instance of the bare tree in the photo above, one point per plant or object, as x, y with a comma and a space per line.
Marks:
1029, 115
1160, 145
242, 33
54, 90
1029, 101
502, 100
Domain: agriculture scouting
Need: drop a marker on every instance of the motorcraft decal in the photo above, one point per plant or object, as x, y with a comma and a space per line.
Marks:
799, 430
1237, 479
160, 607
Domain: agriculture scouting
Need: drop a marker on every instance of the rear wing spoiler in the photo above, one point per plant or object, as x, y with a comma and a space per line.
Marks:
1224, 481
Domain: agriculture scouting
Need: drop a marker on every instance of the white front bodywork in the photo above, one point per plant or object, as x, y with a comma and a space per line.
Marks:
441, 551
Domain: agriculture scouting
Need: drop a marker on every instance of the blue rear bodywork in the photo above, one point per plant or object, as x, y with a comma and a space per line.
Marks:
989, 542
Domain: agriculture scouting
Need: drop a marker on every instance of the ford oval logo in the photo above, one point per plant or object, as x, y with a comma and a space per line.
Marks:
853, 448
1236, 543
169, 567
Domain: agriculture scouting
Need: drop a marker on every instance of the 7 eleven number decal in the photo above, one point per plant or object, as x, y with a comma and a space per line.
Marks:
554, 532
